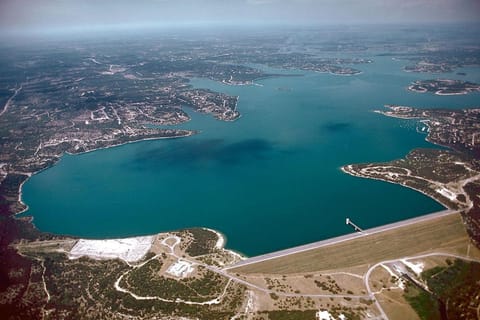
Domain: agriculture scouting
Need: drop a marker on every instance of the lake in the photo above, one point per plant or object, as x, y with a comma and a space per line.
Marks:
268, 181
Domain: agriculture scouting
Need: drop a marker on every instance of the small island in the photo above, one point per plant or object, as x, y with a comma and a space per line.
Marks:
430, 67
307, 62
444, 87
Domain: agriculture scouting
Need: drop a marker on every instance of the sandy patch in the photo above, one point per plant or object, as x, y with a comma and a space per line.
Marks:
221, 239
416, 267
325, 315
180, 269
127, 249
447, 193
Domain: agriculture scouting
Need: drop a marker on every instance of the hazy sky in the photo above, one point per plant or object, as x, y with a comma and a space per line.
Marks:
66, 14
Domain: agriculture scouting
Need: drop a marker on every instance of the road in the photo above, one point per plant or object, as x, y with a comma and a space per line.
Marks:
233, 278
348, 237
221, 272
366, 278
5, 107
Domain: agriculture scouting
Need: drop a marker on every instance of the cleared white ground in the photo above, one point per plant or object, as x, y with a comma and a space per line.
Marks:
325, 315
399, 281
416, 267
447, 193
127, 249
180, 269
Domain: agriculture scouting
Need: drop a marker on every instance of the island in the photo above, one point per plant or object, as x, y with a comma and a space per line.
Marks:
445, 60
308, 62
444, 87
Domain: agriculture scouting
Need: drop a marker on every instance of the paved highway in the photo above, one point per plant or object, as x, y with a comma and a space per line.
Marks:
319, 244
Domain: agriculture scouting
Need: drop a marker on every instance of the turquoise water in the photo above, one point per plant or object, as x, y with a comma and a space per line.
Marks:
269, 181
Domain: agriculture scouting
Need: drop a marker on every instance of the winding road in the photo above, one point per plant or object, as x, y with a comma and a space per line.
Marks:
172, 242
222, 272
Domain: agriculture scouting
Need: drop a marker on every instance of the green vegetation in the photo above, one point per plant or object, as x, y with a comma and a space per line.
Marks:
9, 192
306, 314
444, 86
66, 282
426, 170
329, 285
145, 281
203, 242
422, 302
274, 296
455, 286
84, 289
291, 315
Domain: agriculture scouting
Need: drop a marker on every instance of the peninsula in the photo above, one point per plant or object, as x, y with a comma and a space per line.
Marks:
450, 177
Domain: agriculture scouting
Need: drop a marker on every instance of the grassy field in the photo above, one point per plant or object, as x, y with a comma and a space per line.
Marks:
443, 234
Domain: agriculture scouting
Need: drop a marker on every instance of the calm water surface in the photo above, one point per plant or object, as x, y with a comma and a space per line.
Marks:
269, 181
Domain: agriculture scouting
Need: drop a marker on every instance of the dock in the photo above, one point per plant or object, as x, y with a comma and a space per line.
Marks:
349, 222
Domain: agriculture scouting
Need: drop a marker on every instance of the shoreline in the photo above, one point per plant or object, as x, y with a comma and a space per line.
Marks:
423, 120
31, 174
339, 239
343, 74
242, 258
394, 183
20, 194
191, 133
439, 92
222, 241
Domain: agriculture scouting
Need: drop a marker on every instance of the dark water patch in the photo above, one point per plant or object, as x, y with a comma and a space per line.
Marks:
336, 127
206, 152
246, 150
